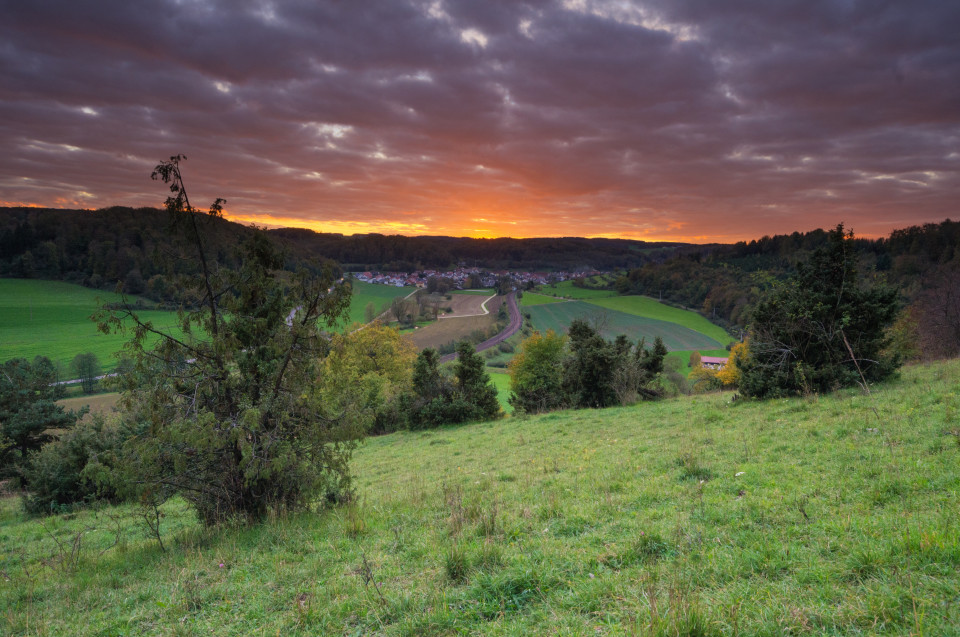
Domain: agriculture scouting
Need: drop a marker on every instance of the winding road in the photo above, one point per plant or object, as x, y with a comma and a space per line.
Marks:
512, 328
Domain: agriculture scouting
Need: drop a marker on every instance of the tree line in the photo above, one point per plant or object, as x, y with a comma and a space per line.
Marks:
725, 282
100, 248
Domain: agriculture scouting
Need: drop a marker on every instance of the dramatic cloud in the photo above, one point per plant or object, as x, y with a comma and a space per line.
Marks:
657, 119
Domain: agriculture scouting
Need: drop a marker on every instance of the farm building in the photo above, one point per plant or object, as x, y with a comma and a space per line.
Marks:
713, 362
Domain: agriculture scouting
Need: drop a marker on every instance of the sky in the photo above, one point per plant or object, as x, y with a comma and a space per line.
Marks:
681, 120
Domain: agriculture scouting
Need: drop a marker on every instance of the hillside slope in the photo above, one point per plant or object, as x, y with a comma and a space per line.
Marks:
830, 515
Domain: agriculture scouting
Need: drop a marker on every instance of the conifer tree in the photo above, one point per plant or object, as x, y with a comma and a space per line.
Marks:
823, 329
226, 412
29, 412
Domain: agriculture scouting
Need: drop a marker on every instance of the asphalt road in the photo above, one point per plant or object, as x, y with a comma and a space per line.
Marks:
512, 328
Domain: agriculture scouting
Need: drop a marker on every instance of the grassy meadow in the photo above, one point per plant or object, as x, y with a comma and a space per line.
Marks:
651, 308
568, 290
834, 515
501, 381
532, 298
52, 319
558, 316
365, 293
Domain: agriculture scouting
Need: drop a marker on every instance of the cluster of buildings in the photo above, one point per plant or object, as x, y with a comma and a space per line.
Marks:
467, 277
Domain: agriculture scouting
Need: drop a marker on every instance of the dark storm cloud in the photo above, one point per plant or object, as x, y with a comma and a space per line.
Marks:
667, 118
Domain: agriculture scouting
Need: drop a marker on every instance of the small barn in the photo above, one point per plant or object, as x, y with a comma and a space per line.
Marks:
713, 362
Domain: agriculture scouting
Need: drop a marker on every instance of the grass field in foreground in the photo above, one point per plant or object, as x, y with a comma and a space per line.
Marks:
568, 290
52, 319
651, 308
558, 316
364, 293
834, 515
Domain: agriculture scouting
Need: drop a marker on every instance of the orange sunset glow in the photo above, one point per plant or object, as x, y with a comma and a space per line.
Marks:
659, 121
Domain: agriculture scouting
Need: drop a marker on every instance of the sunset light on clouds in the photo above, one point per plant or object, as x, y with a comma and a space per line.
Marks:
658, 120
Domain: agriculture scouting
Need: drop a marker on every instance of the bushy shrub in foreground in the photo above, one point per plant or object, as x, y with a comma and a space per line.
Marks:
438, 399
75, 468
823, 329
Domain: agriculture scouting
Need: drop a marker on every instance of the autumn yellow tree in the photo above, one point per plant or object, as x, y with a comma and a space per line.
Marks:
729, 374
365, 374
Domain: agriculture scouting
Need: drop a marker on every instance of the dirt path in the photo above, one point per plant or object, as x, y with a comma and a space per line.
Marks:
483, 307
512, 328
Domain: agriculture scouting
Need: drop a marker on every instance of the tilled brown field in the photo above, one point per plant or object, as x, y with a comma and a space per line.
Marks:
445, 330
467, 305
99, 403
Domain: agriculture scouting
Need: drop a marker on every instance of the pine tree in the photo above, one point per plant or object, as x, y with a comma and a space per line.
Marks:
28, 410
823, 329
473, 384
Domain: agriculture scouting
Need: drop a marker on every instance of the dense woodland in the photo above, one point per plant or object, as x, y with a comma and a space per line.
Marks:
394, 252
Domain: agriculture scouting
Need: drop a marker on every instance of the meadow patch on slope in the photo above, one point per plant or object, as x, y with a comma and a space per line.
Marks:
696, 515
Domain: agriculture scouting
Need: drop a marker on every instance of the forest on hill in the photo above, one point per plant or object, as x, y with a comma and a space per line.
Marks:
134, 246
724, 281
404, 254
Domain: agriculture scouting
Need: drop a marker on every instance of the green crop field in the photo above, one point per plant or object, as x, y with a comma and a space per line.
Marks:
502, 382
532, 298
568, 290
827, 515
52, 319
379, 295
483, 292
558, 316
651, 308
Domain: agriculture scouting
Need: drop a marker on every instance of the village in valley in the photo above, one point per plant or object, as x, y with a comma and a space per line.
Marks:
470, 277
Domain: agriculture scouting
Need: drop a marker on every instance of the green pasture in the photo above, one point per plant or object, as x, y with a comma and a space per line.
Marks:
651, 308
568, 290
364, 293
479, 291
558, 316
52, 319
501, 380
826, 515
532, 298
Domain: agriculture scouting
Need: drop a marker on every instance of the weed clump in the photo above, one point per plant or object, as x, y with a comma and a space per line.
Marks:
456, 565
647, 549
693, 468
510, 592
